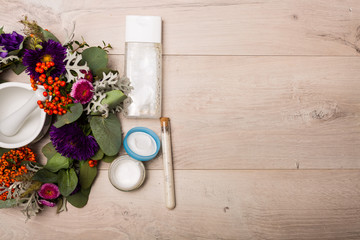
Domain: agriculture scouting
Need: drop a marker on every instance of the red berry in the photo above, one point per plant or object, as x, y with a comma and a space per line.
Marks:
62, 83
45, 94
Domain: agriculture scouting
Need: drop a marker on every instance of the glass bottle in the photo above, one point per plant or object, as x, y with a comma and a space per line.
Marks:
143, 66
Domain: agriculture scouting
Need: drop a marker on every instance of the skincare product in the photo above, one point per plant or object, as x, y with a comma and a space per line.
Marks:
143, 66
126, 174
167, 163
141, 143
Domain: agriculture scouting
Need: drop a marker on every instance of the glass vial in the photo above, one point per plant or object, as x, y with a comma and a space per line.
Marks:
143, 66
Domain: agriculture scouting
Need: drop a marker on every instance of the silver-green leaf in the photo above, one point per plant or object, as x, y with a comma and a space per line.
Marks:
107, 132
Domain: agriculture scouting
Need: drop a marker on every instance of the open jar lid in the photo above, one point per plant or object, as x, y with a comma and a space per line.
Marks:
142, 143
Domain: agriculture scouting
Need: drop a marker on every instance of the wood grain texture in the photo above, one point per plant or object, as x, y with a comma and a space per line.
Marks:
271, 86
230, 27
296, 113
210, 205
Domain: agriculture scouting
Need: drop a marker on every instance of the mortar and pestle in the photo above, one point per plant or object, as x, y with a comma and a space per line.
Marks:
21, 121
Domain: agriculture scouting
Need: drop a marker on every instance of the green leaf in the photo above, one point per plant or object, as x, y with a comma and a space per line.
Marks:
49, 150
87, 175
8, 203
45, 176
107, 132
18, 68
58, 162
109, 159
67, 181
98, 156
71, 116
96, 59
99, 72
80, 198
48, 35
2, 30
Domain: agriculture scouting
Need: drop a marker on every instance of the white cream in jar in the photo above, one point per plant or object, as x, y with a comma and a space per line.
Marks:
126, 173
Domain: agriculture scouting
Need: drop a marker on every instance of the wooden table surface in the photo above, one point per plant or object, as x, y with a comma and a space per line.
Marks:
264, 99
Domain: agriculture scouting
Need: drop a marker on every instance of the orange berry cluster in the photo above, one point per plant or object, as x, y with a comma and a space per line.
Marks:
53, 86
42, 67
93, 163
11, 168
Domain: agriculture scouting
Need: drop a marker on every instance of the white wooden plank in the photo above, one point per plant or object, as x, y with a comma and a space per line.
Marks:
210, 205
230, 27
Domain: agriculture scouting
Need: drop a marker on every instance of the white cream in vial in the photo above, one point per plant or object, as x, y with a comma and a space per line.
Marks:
143, 66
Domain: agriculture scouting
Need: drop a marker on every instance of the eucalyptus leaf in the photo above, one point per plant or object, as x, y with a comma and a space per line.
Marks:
8, 203
67, 181
107, 132
96, 59
58, 162
98, 156
45, 176
18, 68
48, 35
99, 72
49, 150
80, 198
87, 175
71, 116
109, 159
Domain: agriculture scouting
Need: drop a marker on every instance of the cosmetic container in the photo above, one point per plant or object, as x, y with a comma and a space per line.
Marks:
143, 66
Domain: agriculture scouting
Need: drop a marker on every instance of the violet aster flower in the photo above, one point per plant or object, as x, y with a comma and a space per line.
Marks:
49, 191
82, 91
10, 42
70, 141
51, 52
47, 203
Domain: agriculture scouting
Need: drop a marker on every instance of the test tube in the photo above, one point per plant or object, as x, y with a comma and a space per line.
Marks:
167, 162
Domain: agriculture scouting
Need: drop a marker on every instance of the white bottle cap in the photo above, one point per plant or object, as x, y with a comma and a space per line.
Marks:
143, 29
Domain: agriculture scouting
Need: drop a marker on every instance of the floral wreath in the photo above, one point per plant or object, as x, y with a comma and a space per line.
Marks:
85, 96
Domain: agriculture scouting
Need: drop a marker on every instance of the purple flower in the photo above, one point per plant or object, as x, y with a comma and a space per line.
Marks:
88, 75
82, 91
70, 141
10, 42
47, 203
49, 191
51, 52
